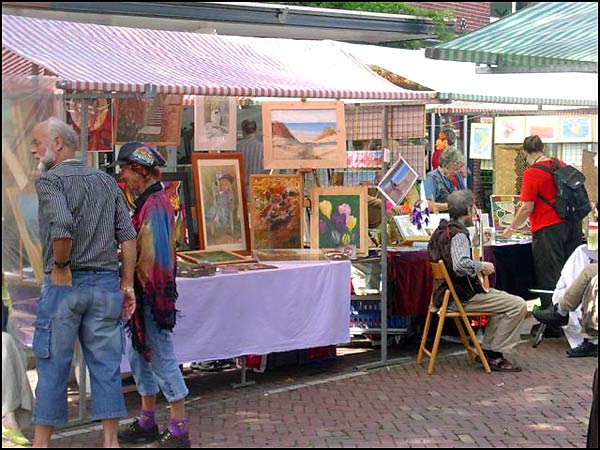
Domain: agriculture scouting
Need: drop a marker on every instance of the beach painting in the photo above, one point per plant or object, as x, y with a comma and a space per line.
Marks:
304, 135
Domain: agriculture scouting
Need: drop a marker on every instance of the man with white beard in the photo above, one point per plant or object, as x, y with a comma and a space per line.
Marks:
82, 219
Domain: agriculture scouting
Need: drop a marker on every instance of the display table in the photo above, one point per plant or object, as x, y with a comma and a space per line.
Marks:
410, 283
297, 306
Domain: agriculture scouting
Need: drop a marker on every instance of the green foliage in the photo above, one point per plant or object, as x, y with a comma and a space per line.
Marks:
438, 17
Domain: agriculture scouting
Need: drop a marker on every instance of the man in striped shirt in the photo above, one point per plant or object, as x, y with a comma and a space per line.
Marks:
252, 151
82, 219
451, 242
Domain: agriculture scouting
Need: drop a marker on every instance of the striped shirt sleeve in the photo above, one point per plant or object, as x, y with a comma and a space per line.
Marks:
51, 196
462, 263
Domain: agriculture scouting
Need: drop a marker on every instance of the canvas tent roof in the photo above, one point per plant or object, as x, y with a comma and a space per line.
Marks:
458, 81
105, 58
544, 34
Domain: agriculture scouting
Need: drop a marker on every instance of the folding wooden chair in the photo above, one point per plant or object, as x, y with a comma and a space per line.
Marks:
461, 318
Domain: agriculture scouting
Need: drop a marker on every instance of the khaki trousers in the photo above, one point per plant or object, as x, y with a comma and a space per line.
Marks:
503, 330
584, 292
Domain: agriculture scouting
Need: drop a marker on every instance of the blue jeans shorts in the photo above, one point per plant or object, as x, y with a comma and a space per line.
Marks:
91, 310
163, 369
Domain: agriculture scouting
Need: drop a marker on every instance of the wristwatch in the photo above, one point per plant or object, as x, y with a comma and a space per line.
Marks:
62, 265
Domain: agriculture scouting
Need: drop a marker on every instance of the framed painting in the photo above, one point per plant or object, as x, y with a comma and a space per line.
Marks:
156, 121
576, 129
339, 218
276, 209
481, 141
504, 208
290, 254
221, 206
546, 127
212, 256
215, 123
304, 135
177, 187
364, 159
509, 130
24, 205
398, 181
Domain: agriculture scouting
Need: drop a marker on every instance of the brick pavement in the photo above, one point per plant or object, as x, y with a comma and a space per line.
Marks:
330, 404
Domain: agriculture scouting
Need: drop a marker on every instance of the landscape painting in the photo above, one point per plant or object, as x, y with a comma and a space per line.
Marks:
276, 208
304, 135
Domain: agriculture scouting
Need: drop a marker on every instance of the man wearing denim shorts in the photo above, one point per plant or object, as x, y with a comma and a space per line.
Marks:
82, 220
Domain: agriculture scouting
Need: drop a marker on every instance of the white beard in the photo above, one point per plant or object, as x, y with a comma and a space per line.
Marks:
47, 161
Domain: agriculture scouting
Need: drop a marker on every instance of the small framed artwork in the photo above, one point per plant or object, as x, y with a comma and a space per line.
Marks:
216, 257
398, 181
576, 129
215, 122
546, 127
221, 201
276, 209
157, 121
481, 141
24, 205
304, 135
290, 255
407, 229
509, 130
339, 218
504, 209
364, 159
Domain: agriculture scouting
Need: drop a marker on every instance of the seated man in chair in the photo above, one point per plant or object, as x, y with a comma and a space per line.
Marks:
451, 243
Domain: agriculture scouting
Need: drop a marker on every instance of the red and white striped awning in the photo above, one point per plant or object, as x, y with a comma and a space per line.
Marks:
104, 58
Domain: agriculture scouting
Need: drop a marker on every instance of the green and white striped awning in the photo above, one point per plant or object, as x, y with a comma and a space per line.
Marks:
542, 35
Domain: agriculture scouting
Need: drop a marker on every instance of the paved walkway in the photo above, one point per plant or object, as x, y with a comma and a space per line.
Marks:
331, 404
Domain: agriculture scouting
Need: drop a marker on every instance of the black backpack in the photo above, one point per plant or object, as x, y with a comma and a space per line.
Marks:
572, 201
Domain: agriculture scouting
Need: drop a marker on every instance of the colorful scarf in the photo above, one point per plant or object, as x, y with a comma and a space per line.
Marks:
155, 269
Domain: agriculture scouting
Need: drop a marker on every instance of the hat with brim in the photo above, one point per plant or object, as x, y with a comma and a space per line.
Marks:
139, 153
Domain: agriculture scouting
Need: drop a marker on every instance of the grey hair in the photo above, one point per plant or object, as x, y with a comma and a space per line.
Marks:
451, 156
58, 128
459, 203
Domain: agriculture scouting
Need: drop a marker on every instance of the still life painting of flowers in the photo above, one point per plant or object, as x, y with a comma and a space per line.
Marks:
339, 218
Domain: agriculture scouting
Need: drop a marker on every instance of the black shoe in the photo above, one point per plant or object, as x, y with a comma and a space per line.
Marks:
135, 434
169, 440
586, 348
551, 317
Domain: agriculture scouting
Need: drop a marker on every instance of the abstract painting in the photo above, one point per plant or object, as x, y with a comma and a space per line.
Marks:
215, 122
304, 135
276, 209
509, 130
576, 129
481, 141
339, 218
221, 201
546, 127
504, 210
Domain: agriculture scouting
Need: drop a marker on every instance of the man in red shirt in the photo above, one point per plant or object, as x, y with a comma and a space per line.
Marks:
554, 239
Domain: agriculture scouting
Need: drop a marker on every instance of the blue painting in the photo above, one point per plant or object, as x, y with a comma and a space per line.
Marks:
576, 129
